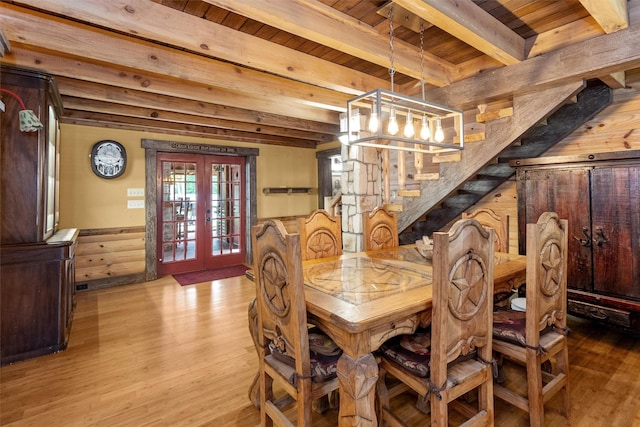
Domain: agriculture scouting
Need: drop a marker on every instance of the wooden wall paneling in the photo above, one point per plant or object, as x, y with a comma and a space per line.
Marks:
109, 257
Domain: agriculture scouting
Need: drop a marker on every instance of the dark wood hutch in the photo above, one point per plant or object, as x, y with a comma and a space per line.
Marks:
599, 194
37, 260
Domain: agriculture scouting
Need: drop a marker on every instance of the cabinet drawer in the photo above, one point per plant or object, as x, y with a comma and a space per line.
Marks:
610, 315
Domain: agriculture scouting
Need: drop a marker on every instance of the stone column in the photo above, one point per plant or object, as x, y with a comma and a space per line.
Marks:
361, 192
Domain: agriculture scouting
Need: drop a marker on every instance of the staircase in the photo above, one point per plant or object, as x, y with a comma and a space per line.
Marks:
595, 97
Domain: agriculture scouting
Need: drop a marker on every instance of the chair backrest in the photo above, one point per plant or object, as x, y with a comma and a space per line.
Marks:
320, 235
380, 229
500, 223
462, 295
282, 313
547, 242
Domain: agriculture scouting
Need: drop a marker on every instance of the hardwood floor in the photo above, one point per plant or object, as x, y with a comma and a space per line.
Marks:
158, 354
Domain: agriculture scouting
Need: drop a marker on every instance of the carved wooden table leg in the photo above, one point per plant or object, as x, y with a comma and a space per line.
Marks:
357, 390
254, 388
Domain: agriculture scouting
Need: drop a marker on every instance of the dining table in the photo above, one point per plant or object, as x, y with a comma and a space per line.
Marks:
362, 299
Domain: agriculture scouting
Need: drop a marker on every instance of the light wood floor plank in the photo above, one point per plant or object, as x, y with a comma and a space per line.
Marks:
159, 354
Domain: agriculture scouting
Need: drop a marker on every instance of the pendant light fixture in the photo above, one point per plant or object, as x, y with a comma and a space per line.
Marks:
374, 118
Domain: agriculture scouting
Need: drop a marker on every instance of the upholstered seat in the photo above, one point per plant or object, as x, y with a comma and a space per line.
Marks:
301, 360
453, 356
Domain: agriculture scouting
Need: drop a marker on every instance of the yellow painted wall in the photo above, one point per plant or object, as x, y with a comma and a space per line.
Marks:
89, 202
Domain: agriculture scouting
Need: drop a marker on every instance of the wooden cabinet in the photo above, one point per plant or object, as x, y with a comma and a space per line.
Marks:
599, 194
37, 261
37, 287
29, 160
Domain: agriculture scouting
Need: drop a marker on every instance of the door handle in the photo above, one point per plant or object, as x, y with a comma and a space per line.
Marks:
600, 237
584, 242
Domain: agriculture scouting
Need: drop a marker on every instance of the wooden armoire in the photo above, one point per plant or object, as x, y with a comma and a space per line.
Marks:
37, 260
599, 194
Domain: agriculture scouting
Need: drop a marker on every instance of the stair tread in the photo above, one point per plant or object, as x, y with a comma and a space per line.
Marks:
497, 170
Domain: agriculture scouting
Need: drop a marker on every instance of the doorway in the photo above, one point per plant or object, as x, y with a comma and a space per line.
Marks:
200, 202
200, 212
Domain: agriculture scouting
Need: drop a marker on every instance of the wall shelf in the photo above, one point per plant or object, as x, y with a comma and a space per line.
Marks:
286, 190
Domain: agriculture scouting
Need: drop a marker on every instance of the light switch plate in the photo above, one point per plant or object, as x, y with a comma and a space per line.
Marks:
135, 192
135, 204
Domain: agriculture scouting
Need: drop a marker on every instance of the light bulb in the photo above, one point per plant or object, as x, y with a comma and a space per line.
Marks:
439, 136
425, 132
373, 121
393, 123
409, 131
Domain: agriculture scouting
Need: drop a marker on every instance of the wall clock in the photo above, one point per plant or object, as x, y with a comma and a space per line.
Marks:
108, 159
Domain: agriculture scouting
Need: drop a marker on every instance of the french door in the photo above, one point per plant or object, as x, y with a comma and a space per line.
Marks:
201, 204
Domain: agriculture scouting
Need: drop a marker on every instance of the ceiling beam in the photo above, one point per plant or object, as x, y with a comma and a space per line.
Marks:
143, 18
322, 24
588, 59
39, 30
118, 95
165, 114
230, 104
468, 22
149, 125
611, 15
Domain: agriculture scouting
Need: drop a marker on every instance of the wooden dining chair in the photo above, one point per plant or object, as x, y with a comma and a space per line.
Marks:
320, 235
300, 360
534, 337
454, 356
380, 229
489, 218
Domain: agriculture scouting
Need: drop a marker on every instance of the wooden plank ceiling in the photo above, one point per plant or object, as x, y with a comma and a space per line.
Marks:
280, 72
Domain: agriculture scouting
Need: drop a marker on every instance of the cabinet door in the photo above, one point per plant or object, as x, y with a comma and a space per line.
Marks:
615, 207
566, 192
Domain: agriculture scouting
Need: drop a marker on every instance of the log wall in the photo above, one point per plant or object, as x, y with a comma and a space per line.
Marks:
110, 257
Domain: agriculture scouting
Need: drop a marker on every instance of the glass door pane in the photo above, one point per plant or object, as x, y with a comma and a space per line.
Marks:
179, 216
226, 211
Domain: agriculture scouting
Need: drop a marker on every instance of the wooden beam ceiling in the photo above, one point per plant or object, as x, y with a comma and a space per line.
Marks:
142, 18
56, 35
323, 24
245, 70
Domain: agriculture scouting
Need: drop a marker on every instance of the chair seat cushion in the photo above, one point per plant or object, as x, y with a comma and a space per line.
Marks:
323, 353
411, 352
509, 325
